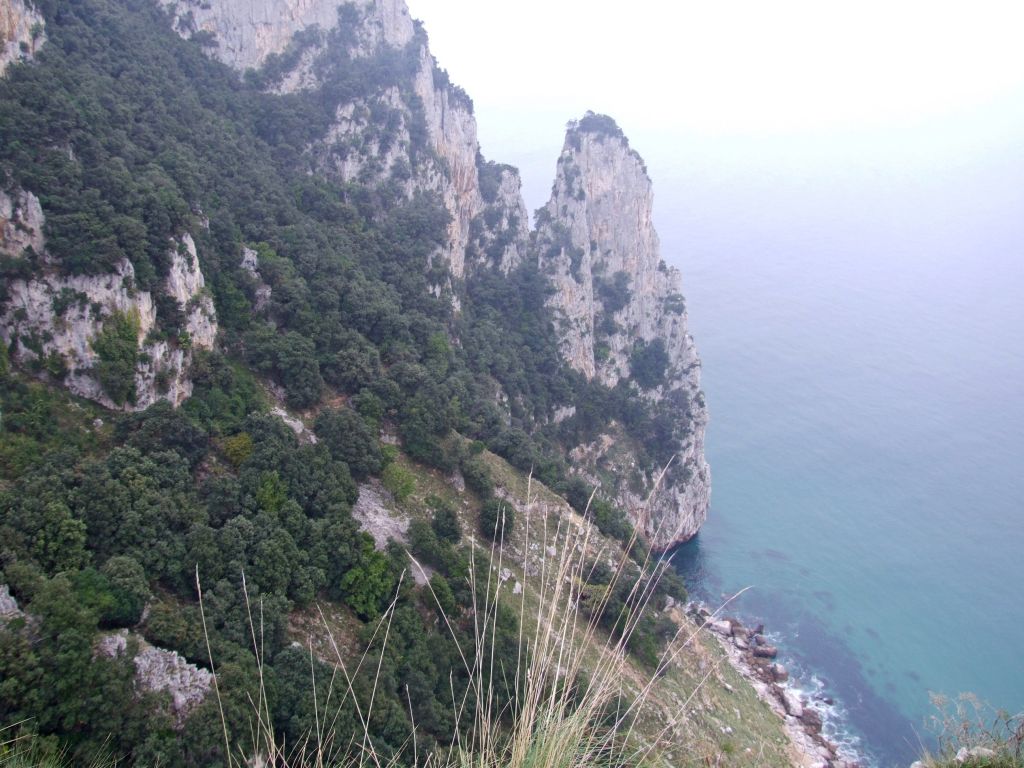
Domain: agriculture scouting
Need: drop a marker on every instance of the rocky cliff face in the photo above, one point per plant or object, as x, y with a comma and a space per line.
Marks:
418, 134
22, 32
620, 315
248, 31
52, 321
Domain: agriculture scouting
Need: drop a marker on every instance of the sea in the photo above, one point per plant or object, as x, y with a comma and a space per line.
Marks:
858, 304
856, 294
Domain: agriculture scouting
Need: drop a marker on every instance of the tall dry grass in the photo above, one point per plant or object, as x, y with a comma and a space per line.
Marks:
971, 734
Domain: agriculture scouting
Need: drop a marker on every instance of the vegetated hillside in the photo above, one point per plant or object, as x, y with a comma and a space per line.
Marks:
341, 306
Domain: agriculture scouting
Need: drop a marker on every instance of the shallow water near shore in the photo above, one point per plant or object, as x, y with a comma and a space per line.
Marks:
862, 334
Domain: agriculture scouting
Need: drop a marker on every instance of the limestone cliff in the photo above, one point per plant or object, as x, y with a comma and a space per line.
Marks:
416, 133
246, 32
22, 32
620, 315
52, 321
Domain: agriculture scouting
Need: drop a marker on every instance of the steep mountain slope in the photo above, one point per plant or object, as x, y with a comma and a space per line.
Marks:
258, 244
352, 95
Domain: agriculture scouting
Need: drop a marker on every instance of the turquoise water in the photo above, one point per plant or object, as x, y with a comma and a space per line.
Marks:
862, 332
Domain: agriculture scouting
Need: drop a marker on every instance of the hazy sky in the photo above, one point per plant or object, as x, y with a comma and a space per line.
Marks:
739, 83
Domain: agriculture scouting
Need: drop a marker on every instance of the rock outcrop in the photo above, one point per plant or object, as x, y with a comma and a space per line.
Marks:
262, 292
161, 671
620, 315
52, 320
22, 32
21, 223
8, 605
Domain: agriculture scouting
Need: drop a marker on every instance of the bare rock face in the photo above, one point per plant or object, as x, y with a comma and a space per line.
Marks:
246, 32
161, 671
251, 264
620, 315
499, 233
21, 223
53, 319
8, 605
22, 32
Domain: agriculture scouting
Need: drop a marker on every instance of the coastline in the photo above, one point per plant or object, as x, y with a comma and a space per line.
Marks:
803, 716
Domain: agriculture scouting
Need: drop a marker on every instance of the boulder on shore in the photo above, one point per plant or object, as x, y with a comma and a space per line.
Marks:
791, 701
723, 628
812, 720
966, 755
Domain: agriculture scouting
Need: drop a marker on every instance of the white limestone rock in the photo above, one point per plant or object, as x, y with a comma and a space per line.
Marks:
248, 31
8, 605
499, 234
295, 425
791, 702
21, 223
186, 284
597, 245
354, 149
22, 32
57, 317
969, 754
161, 671
251, 264
723, 628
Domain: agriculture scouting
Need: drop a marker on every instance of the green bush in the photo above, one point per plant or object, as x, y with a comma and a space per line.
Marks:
128, 588
648, 363
497, 519
351, 440
368, 583
117, 346
445, 522
477, 475
399, 481
238, 448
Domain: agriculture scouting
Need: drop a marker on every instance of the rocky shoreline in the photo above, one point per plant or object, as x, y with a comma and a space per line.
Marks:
754, 657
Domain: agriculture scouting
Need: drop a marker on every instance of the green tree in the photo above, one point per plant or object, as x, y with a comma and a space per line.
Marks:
351, 440
497, 519
117, 347
129, 590
445, 522
648, 363
477, 475
238, 448
369, 582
